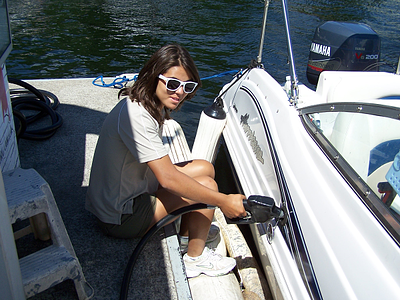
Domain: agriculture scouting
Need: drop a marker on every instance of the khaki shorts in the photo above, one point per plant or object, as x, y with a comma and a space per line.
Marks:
136, 224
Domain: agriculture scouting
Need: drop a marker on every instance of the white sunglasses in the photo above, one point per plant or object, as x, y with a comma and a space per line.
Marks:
173, 84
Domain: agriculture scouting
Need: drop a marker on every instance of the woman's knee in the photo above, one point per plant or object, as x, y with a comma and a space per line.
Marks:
208, 182
197, 167
210, 169
205, 168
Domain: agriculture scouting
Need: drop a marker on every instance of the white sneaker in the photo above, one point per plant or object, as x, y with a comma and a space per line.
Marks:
209, 263
213, 234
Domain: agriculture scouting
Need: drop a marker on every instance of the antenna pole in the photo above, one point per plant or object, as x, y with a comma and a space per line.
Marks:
294, 89
266, 4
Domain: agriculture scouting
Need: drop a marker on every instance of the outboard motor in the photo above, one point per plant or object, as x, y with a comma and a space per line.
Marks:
342, 46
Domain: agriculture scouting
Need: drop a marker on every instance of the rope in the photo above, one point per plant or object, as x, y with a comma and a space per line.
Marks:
120, 82
117, 82
220, 74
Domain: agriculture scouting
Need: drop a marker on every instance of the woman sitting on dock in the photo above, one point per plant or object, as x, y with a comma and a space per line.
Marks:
133, 183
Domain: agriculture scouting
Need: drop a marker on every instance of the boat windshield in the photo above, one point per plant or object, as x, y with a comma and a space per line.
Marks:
364, 147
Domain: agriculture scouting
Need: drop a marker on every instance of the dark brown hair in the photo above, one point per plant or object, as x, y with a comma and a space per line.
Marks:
144, 89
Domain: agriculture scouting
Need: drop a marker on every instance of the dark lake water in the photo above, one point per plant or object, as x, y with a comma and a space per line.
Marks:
88, 38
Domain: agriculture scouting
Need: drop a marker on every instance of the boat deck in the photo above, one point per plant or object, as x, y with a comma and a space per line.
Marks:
64, 161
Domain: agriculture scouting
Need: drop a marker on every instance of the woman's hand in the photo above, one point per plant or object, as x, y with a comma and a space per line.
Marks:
233, 207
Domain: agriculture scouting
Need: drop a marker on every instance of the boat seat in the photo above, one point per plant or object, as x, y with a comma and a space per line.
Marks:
383, 154
351, 137
355, 86
381, 159
29, 195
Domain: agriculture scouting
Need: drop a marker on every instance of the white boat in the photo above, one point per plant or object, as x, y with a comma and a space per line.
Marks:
320, 154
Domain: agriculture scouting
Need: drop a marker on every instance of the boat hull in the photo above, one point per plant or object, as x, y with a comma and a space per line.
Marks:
331, 247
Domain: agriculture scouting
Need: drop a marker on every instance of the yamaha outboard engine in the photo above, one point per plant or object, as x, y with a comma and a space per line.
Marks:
342, 46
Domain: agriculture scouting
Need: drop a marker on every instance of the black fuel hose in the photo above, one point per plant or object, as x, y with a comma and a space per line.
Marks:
41, 102
139, 247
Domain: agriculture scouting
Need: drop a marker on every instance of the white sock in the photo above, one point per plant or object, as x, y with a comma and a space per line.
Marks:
197, 257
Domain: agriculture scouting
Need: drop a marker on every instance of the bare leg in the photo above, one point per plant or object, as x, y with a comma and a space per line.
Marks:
197, 223
196, 168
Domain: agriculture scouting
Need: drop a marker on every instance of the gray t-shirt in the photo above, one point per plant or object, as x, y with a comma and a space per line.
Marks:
129, 138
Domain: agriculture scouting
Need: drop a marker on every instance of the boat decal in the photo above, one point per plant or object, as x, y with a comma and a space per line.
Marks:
251, 137
320, 49
291, 230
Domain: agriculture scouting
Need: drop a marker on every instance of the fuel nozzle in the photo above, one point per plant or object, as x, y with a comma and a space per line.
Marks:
259, 209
